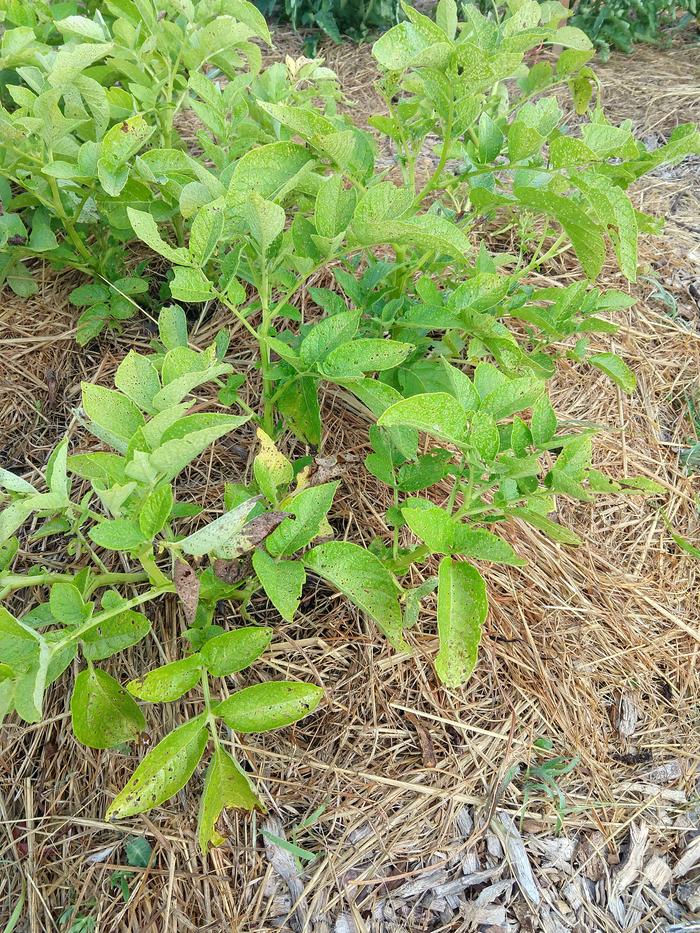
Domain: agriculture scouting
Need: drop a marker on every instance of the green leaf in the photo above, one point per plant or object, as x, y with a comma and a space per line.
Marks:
575, 458
446, 17
480, 544
172, 327
226, 786
365, 355
72, 59
462, 610
114, 417
404, 45
120, 143
155, 511
571, 38
616, 369
246, 12
177, 387
145, 228
80, 26
585, 234
268, 169
684, 544
164, 771
220, 536
265, 220
328, 334
190, 285
299, 405
423, 230
433, 525
267, 706
335, 206
67, 604
303, 121
484, 436
56, 476
169, 682
362, 577
235, 651
138, 379
309, 507
117, 534
13, 483
553, 530
205, 234
102, 712
435, 413
282, 581
543, 423
114, 635
173, 455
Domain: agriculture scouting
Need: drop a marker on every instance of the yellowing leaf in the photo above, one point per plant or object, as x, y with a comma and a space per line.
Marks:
226, 786
163, 772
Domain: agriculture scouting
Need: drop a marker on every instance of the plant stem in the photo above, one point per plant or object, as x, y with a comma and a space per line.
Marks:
268, 420
102, 617
155, 574
17, 581
211, 719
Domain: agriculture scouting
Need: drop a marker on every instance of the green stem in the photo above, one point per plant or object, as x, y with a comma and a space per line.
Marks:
68, 224
237, 314
432, 182
102, 617
551, 252
265, 365
211, 718
16, 581
155, 574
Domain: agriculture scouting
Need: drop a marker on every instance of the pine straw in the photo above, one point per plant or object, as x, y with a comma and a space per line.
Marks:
594, 648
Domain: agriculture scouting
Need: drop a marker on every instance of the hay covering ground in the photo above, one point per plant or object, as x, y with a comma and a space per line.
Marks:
594, 649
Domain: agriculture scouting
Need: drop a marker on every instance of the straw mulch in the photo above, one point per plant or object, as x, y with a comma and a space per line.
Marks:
429, 808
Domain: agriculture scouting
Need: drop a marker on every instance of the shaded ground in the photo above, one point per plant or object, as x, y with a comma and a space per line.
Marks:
425, 793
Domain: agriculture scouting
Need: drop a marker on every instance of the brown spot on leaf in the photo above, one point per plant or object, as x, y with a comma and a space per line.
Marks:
259, 528
187, 586
233, 571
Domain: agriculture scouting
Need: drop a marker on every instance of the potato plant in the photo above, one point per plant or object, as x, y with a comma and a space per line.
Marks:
84, 105
446, 347
121, 503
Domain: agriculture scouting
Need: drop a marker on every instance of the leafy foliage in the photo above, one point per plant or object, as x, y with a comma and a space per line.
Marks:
336, 18
125, 501
621, 23
448, 348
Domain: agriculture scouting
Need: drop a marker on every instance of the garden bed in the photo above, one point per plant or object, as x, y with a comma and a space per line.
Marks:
588, 654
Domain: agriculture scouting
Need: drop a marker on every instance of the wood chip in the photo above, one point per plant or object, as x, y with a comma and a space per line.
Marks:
664, 774
657, 873
628, 872
284, 865
514, 848
419, 885
628, 713
688, 860
689, 895
653, 790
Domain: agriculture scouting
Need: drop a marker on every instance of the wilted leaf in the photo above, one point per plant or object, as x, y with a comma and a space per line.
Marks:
187, 586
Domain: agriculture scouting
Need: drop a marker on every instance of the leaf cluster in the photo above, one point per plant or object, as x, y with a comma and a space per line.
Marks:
446, 348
